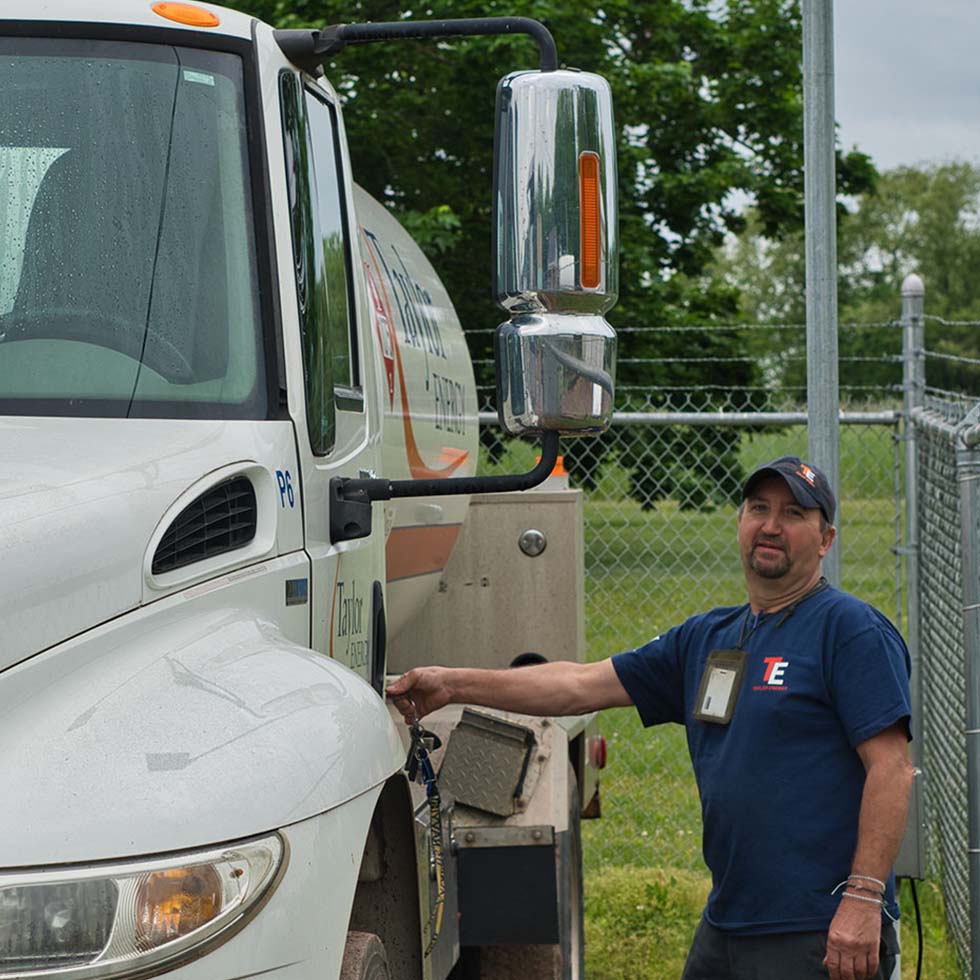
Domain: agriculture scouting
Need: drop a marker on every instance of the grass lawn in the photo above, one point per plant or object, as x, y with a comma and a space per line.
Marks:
639, 923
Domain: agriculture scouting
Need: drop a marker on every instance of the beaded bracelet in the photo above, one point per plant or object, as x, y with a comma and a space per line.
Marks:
864, 888
880, 884
846, 883
879, 901
874, 901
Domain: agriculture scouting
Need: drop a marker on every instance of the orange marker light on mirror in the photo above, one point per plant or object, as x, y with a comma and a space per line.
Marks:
185, 13
591, 220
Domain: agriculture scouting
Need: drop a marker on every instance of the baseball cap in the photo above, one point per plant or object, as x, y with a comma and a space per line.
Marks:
807, 484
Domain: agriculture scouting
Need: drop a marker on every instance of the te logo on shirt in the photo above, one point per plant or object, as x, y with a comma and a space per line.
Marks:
774, 676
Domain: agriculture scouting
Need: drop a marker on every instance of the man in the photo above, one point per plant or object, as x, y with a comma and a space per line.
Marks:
796, 707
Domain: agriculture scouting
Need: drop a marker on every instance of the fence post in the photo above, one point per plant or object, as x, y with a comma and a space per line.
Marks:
820, 218
913, 387
968, 478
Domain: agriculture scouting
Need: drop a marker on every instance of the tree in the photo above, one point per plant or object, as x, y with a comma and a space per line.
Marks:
708, 101
923, 219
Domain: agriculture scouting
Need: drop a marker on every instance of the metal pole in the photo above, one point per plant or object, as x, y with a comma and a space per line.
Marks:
968, 476
898, 460
913, 388
820, 210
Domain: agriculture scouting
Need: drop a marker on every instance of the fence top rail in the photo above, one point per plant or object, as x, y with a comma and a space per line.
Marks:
936, 422
734, 418
748, 418
728, 327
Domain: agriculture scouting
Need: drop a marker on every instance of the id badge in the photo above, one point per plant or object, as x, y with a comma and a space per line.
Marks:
720, 684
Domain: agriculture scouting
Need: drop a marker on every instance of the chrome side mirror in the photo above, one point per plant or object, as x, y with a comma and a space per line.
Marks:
557, 251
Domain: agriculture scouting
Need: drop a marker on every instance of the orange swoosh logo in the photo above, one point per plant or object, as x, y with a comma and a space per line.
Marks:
416, 465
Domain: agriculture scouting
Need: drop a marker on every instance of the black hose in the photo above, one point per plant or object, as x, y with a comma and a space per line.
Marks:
918, 929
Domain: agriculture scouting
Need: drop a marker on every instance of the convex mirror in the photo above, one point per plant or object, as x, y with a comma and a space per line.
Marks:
557, 251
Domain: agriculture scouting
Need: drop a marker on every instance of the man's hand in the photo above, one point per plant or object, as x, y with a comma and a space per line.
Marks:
420, 692
853, 941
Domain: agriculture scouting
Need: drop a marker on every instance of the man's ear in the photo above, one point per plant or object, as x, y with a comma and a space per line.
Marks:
828, 539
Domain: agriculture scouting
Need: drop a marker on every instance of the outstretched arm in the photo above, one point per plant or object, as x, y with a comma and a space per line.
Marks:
561, 688
855, 933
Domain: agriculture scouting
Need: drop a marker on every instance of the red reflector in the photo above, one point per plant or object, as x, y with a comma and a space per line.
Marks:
597, 751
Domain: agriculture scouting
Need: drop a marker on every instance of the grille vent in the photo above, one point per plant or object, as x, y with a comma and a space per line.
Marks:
220, 520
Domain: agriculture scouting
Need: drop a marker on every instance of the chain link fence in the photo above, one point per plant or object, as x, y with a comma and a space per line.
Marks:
698, 407
943, 660
656, 560
662, 486
661, 546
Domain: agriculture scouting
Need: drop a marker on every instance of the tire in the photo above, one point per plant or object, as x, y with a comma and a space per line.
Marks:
565, 960
364, 958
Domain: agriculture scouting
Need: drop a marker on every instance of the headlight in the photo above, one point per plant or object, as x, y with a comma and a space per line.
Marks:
111, 919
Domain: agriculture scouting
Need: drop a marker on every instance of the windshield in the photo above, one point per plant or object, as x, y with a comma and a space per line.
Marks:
127, 260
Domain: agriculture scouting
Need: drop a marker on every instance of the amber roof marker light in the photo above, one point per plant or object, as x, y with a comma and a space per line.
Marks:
591, 218
186, 13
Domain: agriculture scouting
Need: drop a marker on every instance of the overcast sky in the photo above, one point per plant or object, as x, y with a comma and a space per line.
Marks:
908, 79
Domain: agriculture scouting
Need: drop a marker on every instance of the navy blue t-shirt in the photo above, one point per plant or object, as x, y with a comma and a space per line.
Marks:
780, 784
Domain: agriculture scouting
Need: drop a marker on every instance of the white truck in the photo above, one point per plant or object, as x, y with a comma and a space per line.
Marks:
238, 433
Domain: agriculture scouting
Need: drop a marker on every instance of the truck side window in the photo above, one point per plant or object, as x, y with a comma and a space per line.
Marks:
321, 256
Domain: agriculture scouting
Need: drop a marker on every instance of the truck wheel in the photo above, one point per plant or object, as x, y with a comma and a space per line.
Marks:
564, 960
364, 958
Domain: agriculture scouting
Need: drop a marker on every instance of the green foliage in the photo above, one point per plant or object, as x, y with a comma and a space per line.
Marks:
921, 219
917, 219
924, 220
707, 99
436, 231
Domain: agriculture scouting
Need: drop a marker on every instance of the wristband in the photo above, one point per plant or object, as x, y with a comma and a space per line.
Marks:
875, 881
880, 901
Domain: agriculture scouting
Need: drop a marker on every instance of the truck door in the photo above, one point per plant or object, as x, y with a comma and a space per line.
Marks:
332, 423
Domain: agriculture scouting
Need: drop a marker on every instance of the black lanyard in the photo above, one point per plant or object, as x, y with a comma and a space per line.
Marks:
743, 639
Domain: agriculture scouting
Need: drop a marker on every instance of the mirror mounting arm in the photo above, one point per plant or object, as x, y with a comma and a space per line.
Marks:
310, 49
350, 499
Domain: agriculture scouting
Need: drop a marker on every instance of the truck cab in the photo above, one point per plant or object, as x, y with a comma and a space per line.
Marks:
206, 328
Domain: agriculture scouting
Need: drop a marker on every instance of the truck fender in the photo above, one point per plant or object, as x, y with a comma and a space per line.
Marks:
181, 725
